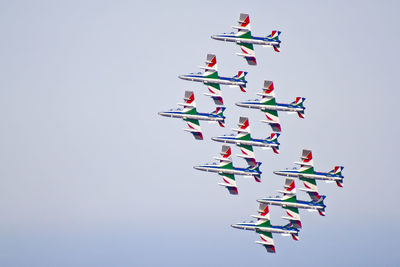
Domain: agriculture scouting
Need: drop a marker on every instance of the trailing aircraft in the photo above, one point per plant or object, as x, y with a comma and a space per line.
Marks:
227, 171
192, 117
268, 105
307, 174
244, 141
211, 79
264, 228
291, 204
246, 41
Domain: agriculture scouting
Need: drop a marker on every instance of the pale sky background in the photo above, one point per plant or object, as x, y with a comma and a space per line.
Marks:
90, 175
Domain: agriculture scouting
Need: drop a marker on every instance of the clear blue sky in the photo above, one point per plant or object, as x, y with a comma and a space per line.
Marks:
90, 175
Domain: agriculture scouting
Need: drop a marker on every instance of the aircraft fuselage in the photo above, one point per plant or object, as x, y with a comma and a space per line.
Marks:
316, 175
252, 142
299, 204
277, 107
271, 229
254, 40
217, 169
198, 116
220, 80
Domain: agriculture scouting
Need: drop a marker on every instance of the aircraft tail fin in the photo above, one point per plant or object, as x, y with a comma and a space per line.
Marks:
274, 35
298, 102
337, 171
219, 111
241, 76
255, 167
273, 138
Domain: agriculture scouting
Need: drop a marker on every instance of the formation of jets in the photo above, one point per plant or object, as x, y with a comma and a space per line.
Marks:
245, 142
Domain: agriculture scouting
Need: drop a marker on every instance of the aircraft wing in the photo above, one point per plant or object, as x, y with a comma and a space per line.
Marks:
268, 99
215, 93
229, 183
194, 128
309, 183
267, 241
248, 53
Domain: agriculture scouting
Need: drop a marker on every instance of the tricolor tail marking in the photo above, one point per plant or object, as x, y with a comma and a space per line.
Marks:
274, 35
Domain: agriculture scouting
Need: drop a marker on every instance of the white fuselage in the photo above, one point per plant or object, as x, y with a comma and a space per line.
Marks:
316, 175
212, 80
237, 171
253, 227
277, 107
239, 40
242, 142
279, 202
204, 117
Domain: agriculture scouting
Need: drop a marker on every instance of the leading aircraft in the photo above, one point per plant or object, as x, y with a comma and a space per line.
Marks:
245, 142
307, 174
192, 117
268, 105
291, 204
246, 41
227, 171
264, 228
211, 79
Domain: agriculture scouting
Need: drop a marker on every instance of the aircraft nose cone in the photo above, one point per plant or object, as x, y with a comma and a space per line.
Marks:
181, 77
197, 167
213, 37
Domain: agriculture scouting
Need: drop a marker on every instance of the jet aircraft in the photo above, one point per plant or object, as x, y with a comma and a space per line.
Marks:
307, 174
243, 139
268, 105
292, 205
192, 117
212, 80
246, 41
264, 228
227, 171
